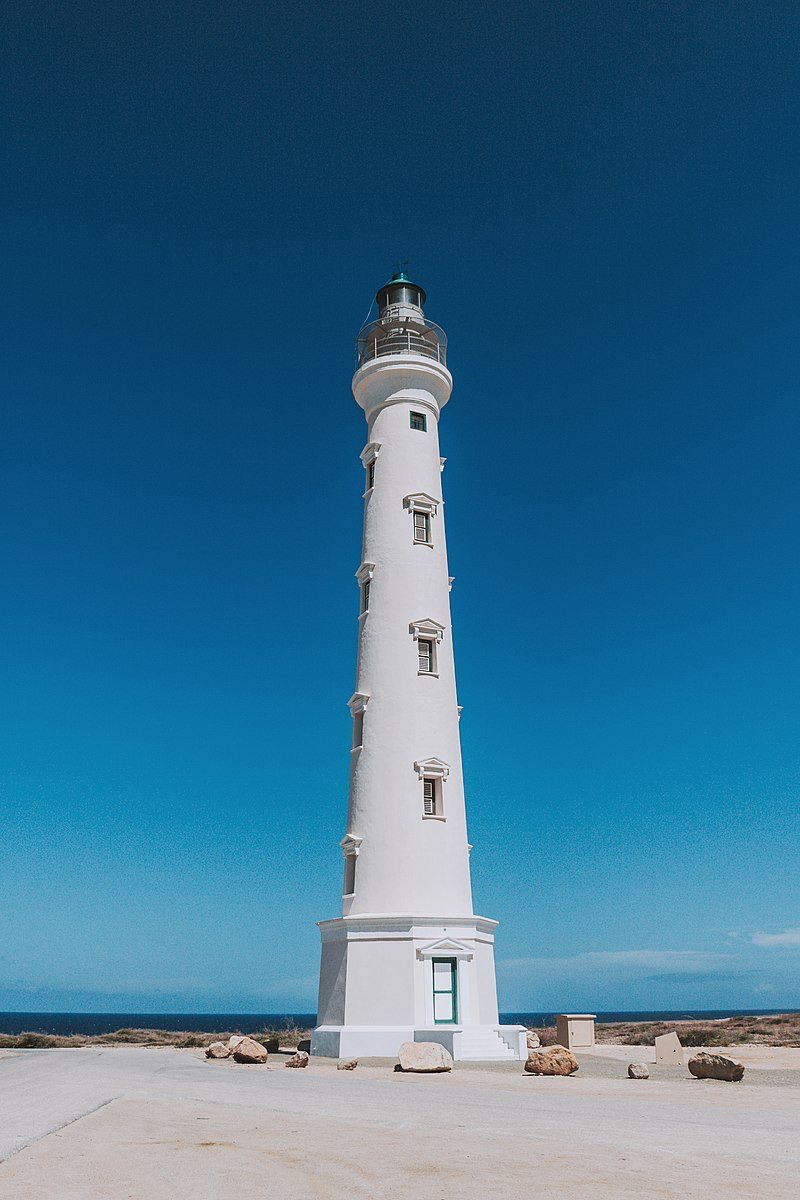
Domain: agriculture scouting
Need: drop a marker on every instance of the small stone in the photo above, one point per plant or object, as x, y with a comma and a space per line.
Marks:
424, 1057
218, 1050
533, 1040
247, 1050
554, 1060
304, 1046
273, 1045
300, 1059
347, 1064
715, 1066
638, 1071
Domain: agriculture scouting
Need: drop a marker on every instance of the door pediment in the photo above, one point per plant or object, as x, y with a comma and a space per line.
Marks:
445, 948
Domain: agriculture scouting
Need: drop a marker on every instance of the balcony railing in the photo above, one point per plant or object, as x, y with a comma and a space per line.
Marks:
419, 337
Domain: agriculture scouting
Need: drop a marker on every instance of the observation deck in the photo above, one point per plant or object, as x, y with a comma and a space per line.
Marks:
401, 335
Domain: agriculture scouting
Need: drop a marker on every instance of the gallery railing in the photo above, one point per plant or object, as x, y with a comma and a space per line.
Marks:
401, 337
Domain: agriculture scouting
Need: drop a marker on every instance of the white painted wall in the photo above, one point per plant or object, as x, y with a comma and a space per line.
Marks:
406, 863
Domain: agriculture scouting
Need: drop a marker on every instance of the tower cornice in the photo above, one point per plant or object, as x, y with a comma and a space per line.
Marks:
402, 379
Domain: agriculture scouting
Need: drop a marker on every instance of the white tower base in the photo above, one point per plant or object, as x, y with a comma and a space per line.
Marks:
386, 980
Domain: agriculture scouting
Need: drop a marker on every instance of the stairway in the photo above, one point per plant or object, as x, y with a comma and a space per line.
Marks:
482, 1043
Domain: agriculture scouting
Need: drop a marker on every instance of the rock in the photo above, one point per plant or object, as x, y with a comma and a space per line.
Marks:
715, 1066
553, 1060
669, 1051
273, 1045
424, 1056
638, 1071
304, 1047
533, 1040
347, 1064
218, 1050
300, 1059
233, 1041
247, 1050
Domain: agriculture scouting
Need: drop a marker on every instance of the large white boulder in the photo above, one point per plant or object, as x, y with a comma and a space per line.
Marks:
424, 1056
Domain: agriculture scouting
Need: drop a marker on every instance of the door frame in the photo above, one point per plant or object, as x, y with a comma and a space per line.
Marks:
453, 991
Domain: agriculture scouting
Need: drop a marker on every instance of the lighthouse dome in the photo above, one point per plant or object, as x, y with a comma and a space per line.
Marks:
400, 291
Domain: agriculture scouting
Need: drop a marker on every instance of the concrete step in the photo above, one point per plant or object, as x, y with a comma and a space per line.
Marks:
485, 1045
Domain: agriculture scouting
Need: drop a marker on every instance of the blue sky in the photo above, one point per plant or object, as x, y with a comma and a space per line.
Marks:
198, 203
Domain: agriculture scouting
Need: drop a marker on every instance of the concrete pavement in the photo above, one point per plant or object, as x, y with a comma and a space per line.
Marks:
108, 1124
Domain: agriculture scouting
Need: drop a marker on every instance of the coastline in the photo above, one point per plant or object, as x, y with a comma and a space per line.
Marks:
775, 1029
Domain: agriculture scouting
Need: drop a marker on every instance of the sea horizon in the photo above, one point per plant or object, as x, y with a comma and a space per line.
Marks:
93, 1024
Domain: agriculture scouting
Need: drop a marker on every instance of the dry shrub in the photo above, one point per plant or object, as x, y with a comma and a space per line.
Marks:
781, 1030
547, 1034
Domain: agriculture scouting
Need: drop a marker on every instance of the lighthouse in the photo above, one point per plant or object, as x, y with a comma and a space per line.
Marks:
408, 959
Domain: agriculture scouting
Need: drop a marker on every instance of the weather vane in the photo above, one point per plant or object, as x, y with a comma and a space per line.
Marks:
400, 267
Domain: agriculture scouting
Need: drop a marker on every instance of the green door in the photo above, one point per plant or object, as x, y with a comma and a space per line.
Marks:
445, 991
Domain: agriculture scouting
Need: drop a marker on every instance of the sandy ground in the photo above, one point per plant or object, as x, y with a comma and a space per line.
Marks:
767, 1058
130, 1123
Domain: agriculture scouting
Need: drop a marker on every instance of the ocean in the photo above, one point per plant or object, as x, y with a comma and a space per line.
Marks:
91, 1024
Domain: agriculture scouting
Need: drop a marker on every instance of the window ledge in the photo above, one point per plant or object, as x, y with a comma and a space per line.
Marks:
429, 674
355, 749
368, 492
432, 817
363, 614
417, 542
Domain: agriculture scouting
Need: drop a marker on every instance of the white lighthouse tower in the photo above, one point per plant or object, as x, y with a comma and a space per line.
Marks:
408, 959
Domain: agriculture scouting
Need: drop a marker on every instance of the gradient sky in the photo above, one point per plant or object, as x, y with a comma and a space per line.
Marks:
198, 203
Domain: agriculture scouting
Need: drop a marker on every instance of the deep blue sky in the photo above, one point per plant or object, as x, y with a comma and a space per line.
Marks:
198, 202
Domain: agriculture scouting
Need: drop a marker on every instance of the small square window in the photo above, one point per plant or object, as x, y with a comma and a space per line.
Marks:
422, 527
419, 421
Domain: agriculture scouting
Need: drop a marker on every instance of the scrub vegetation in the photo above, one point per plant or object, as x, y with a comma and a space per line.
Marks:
287, 1037
781, 1030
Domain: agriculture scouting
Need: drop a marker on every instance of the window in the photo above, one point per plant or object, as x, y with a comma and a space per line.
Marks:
349, 874
358, 729
428, 634
422, 527
419, 421
431, 798
364, 577
432, 773
422, 508
368, 457
351, 845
